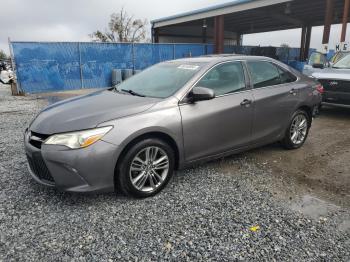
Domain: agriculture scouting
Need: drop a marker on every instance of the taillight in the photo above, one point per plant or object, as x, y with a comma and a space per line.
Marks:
320, 88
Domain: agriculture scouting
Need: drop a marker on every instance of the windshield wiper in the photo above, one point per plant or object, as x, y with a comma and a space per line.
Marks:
131, 92
114, 88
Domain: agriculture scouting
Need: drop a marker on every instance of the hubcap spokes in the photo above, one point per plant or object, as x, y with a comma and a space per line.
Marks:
298, 129
149, 168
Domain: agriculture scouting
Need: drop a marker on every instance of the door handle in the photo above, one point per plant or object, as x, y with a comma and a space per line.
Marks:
246, 102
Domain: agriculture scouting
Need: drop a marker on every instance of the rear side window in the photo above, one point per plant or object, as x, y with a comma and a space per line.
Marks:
224, 79
263, 74
286, 77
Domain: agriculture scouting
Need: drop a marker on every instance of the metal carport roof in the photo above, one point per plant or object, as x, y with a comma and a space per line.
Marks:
222, 9
255, 16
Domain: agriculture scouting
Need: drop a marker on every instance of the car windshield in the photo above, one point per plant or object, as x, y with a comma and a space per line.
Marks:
337, 56
161, 80
343, 63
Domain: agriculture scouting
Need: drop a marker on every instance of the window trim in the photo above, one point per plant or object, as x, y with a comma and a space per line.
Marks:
246, 80
276, 65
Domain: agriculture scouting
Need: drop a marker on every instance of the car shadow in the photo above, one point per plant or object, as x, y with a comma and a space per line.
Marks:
335, 112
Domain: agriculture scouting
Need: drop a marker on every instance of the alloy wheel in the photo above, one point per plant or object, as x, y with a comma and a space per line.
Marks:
149, 169
298, 129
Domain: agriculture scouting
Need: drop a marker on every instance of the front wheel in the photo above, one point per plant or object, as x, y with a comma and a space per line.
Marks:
297, 131
146, 168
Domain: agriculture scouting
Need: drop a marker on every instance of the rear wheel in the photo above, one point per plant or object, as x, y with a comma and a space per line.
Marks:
297, 131
146, 168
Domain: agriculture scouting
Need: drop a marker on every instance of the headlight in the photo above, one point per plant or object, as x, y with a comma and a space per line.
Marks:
79, 139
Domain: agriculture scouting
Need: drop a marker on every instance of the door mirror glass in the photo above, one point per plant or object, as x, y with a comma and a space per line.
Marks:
201, 93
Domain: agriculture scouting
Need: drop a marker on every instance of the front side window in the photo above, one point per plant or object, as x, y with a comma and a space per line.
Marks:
224, 79
263, 74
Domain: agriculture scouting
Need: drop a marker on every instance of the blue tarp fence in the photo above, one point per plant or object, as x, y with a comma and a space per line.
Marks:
61, 66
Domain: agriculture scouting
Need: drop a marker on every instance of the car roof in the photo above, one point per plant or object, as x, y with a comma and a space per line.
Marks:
221, 58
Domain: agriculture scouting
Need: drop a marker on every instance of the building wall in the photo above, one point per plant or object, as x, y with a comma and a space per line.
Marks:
194, 40
177, 34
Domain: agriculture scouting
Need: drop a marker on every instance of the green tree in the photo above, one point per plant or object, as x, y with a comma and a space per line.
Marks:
122, 28
284, 52
3, 55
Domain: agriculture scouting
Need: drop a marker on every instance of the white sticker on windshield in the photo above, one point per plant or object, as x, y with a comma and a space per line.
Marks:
188, 67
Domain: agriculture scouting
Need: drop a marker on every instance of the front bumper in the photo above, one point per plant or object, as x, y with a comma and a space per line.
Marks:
89, 169
335, 105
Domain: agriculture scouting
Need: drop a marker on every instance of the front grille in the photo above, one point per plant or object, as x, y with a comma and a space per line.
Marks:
335, 85
36, 139
336, 91
38, 167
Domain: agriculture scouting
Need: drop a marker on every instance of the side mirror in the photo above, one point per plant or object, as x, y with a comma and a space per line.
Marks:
201, 93
320, 66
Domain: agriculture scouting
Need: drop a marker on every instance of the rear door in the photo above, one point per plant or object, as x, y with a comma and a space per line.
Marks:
215, 126
275, 98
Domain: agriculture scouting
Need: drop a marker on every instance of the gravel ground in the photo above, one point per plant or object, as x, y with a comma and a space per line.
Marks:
223, 210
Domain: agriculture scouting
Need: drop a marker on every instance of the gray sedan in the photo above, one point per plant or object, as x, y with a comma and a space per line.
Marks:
131, 138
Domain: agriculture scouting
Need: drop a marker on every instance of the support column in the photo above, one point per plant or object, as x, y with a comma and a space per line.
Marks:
239, 39
302, 43
345, 20
204, 32
219, 36
305, 42
155, 35
327, 23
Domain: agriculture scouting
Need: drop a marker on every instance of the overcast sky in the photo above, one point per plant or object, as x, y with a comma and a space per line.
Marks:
73, 20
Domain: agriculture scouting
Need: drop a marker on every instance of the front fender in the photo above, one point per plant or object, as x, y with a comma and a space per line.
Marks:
166, 121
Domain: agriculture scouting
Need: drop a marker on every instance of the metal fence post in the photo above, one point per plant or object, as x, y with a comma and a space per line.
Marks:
14, 68
174, 56
81, 68
133, 56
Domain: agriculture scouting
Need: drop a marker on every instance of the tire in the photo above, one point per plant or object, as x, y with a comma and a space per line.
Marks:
290, 141
138, 173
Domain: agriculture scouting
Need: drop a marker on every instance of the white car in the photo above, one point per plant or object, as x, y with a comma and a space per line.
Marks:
317, 62
336, 83
6, 76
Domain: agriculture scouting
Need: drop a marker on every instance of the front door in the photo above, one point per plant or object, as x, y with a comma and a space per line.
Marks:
223, 123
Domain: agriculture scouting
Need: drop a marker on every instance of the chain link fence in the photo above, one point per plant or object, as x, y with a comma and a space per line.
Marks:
60, 66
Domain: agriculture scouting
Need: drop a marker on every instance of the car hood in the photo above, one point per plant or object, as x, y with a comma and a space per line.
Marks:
84, 112
333, 73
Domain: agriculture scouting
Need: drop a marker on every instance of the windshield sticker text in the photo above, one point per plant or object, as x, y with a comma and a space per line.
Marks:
188, 67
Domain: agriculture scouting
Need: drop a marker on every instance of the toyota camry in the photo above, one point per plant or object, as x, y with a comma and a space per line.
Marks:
133, 137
